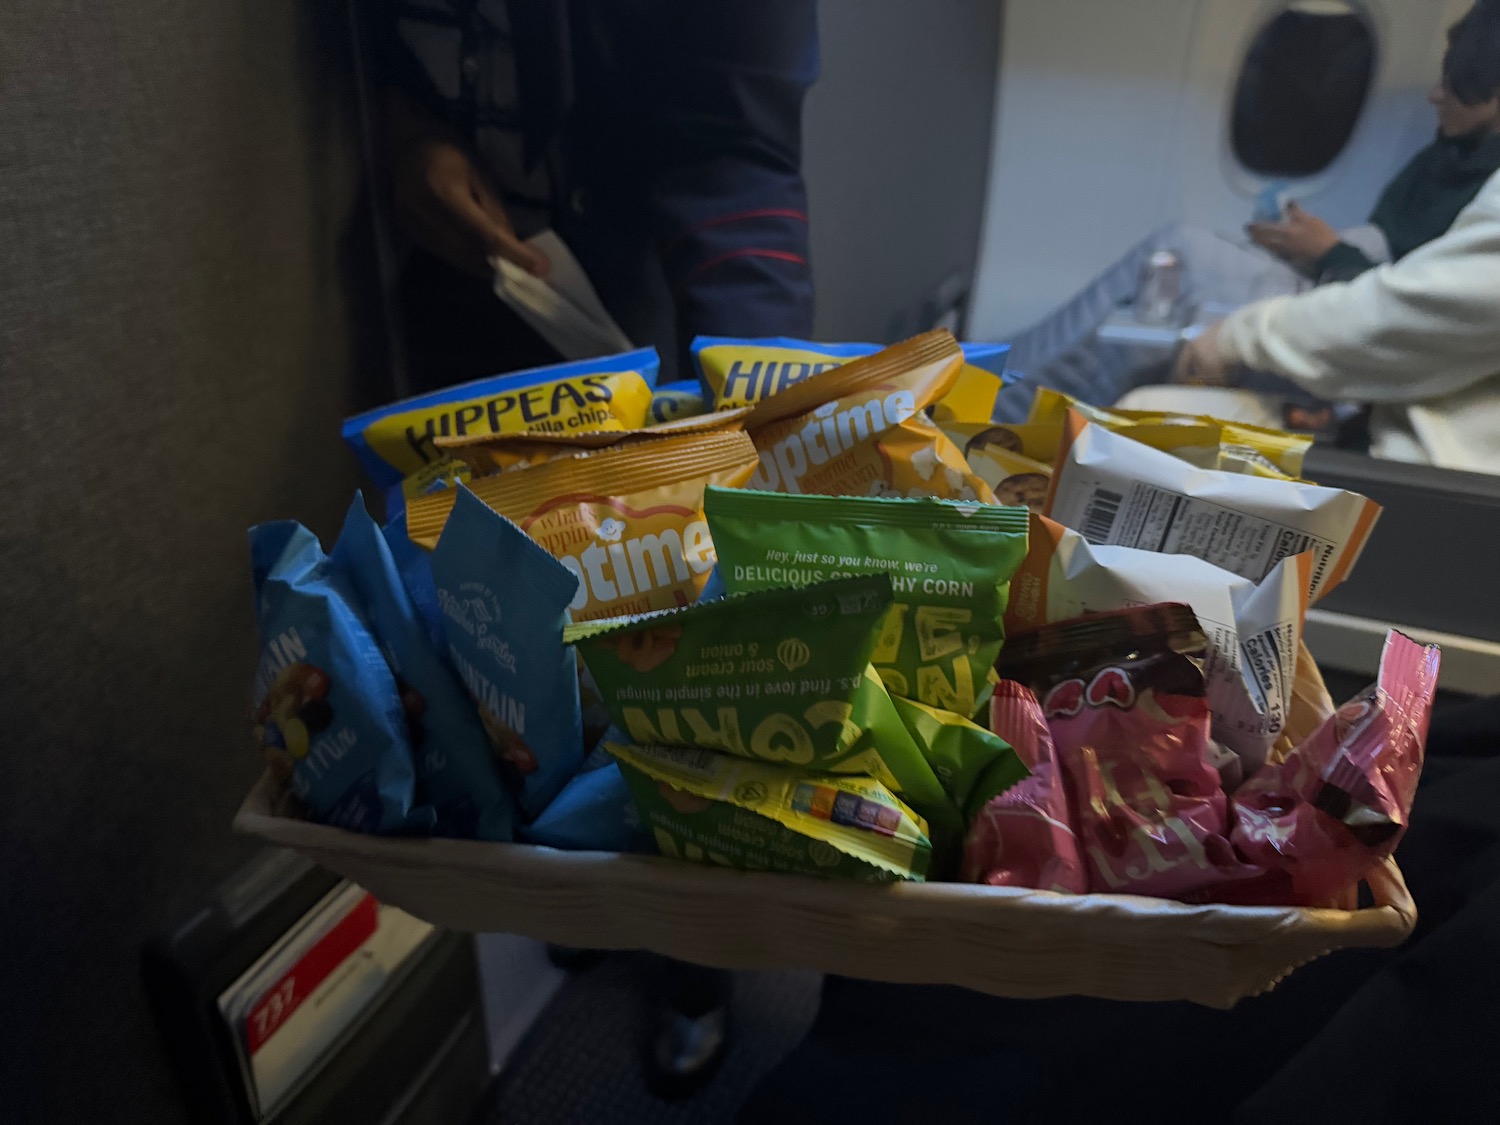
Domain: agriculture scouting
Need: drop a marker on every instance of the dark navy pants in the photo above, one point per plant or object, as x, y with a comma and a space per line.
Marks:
679, 185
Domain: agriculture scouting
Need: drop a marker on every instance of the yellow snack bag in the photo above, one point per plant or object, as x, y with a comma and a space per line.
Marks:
1198, 442
972, 399
858, 430
1278, 450
1193, 439
1281, 451
743, 371
628, 520
400, 439
485, 456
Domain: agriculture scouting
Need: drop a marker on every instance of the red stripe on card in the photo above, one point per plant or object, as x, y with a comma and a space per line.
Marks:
312, 969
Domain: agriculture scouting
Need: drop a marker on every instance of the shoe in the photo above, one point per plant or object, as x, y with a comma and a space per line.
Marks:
685, 1051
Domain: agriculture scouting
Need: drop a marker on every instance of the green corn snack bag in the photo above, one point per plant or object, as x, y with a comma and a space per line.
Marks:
972, 764
950, 565
771, 677
780, 676
730, 812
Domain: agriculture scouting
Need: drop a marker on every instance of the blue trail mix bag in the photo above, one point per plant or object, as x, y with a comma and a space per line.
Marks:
415, 565
328, 714
505, 601
456, 773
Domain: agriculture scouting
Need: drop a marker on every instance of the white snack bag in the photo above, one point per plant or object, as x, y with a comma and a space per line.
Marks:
1254, 630
1117, 492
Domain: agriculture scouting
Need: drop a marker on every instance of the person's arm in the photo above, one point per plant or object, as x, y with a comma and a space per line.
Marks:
1421, 328
1344, 262
1302, 240
442, 196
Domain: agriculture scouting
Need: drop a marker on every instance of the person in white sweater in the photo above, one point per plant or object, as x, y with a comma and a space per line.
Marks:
1419, 339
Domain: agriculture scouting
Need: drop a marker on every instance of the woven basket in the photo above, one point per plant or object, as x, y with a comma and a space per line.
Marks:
1004, 941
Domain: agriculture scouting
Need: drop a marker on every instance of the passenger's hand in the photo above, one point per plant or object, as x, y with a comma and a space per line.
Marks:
444, 203
1201, 362
1300, 239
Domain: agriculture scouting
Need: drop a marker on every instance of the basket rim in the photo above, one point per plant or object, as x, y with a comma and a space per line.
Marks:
1384, 924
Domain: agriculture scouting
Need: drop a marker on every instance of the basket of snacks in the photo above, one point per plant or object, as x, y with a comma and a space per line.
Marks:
785, 686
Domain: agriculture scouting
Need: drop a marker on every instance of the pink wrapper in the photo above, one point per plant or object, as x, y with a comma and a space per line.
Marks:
1340, 802
1123, 694
1024, 837
1151, 813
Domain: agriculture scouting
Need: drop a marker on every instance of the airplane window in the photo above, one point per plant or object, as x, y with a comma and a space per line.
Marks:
1304, 83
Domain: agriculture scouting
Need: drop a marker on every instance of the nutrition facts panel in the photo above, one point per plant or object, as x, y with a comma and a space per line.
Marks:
1156, 519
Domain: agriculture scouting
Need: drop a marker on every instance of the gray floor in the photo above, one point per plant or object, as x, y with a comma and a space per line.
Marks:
580, 1062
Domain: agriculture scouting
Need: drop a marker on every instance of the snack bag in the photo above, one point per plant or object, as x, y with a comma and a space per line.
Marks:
726, 811
628, 522
415, 567
1036, 443
742, 372
1254, 631
780, 676
456, 774
445, 472
949, 563
397, 440
1341, 801
505, 602
996, 454
678, 400
973, 764
1024, 837
327, 711
1250, 464
1118, 492
1240, 444
858, 431
595, 812
980, 381
1124, 698
992, 452
485, 456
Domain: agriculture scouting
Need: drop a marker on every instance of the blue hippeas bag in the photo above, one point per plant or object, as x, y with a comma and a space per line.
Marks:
396, 443
505, 601
455, 771
327, 711
678, 400
741, 372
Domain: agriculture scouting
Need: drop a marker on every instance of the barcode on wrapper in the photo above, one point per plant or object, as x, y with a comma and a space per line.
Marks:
1100, 515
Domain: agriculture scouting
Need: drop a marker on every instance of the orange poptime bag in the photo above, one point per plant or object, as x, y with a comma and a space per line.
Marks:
859, 430
628, 521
